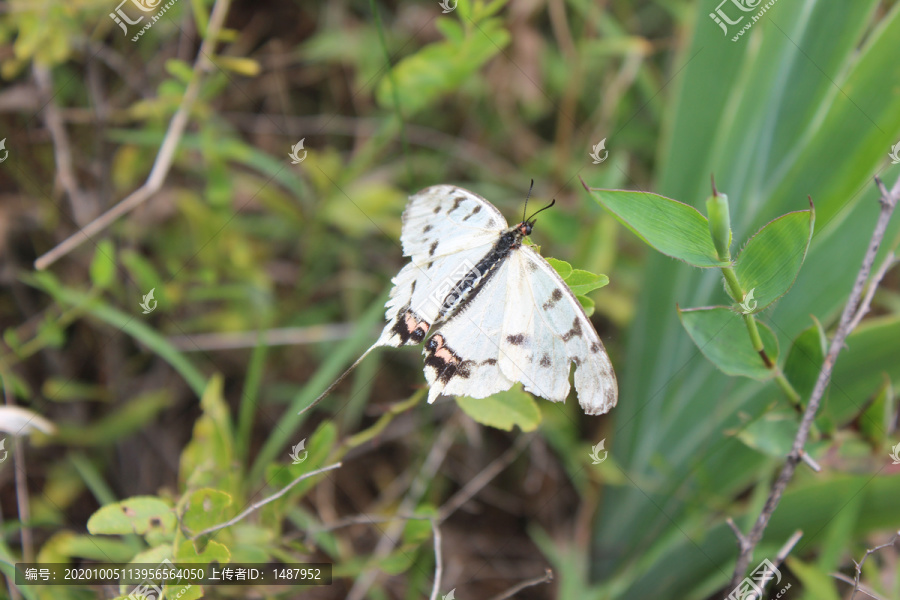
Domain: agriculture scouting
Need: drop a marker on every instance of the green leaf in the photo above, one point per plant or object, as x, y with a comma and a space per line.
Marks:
771, 260
503, 410
587, 304
772, 434
804, 360
205, 507
583, 282
816, 584
242, 66
103, 265
722, 337
563, 268
65, 545
441, 68
876, 420
207, 459
671, 227
140, 514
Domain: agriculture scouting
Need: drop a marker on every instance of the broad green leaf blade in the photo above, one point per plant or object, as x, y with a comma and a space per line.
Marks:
140, 514
583, 282
671, 227
503, 410
804, 360
769, 263
722, 337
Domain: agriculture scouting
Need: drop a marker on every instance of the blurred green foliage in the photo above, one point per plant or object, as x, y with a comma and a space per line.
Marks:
183, 433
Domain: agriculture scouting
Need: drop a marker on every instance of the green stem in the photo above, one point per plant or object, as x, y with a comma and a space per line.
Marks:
737, 292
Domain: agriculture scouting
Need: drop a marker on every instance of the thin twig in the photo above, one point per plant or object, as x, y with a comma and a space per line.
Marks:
868, 592
438, 559
547, 577
392, 532
364, 520
264, 501
483, 478
859, 565
866, 303
164, 157
888, 201
82, 210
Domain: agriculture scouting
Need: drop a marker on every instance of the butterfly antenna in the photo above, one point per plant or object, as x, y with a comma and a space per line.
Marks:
337, 381
531, 218
524, 210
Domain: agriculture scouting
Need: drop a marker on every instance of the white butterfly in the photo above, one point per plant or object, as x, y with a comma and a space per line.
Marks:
493, 311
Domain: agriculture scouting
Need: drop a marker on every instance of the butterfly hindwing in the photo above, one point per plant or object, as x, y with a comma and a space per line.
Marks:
556, 333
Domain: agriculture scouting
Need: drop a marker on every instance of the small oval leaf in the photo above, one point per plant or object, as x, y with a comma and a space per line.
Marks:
770, 261
503, 410
671, 227
722, 337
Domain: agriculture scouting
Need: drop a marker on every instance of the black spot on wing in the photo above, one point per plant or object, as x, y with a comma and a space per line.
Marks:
433, 247
446, 363
574, 332
545, 361
516, 340
456, 202
437, 209
555, 297
473, 213
489, 361
427, 228
595, 347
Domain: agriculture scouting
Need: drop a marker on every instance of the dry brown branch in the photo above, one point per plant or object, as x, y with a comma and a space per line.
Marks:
164, 157
547, 577
746, 544
264, 501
